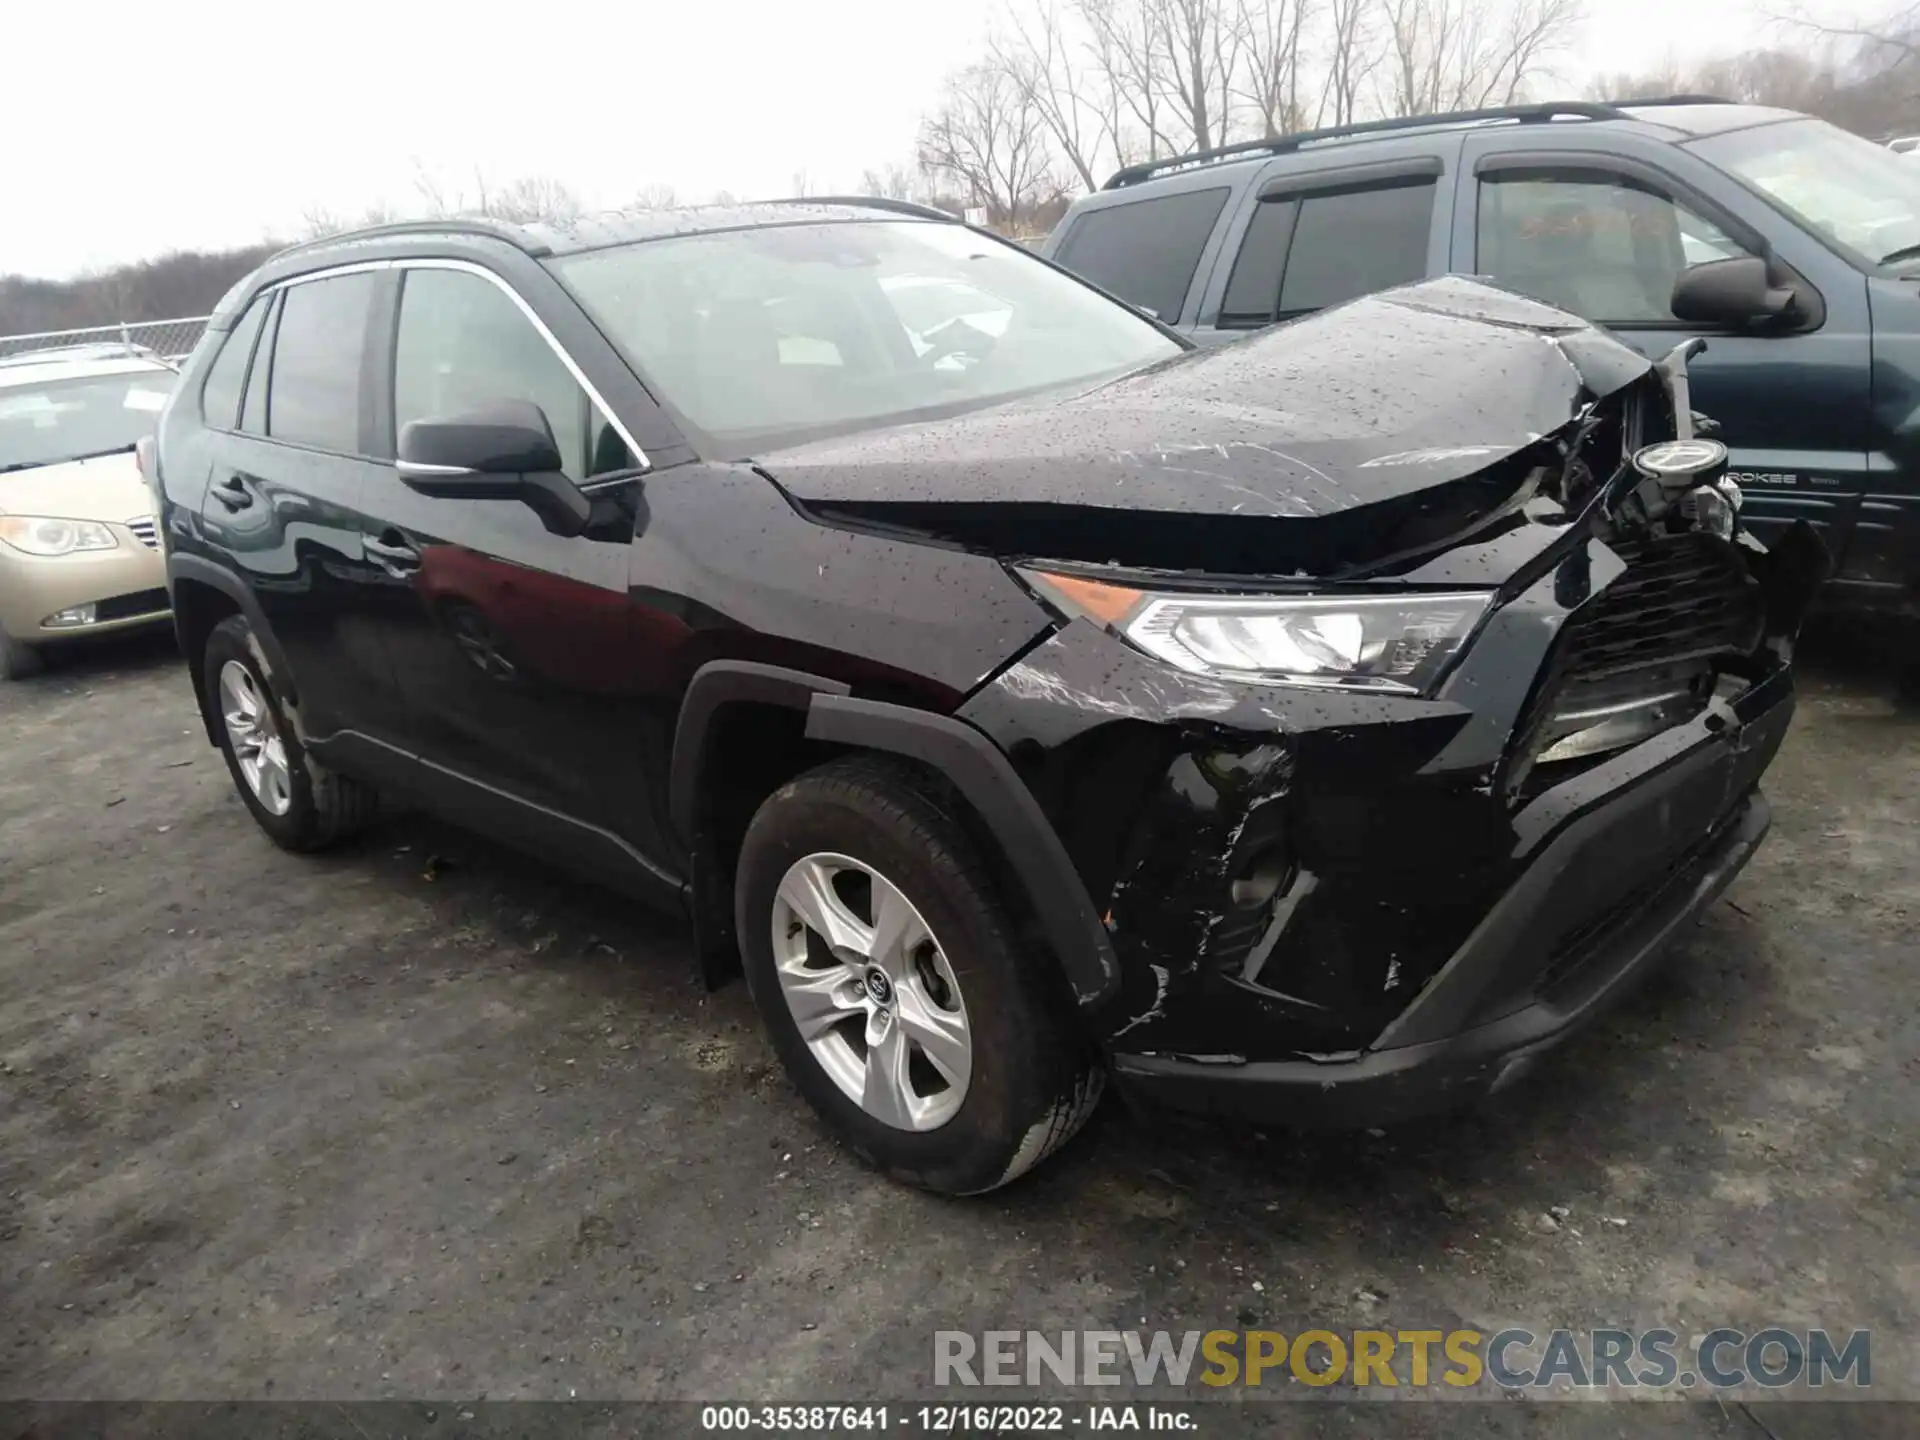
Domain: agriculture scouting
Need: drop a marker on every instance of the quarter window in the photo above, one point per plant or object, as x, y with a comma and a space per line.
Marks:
253, 409
1606, 247
314, 397
1145, 251
463, 343
227, 376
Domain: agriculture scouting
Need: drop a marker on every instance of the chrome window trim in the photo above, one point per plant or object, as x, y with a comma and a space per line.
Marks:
468, 267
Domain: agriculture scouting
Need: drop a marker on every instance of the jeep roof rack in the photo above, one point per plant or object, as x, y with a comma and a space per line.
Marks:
1287, 144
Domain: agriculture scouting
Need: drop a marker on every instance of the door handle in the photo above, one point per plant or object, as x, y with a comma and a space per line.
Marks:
233, 493
395, 556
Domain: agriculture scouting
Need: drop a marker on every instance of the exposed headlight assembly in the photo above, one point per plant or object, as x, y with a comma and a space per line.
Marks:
37, 535
1396, 643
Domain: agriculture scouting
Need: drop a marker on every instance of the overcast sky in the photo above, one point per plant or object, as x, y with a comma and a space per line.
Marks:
135, 128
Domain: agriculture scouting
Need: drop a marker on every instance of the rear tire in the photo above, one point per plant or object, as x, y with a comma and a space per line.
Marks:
859, 839
300, 803
19, 660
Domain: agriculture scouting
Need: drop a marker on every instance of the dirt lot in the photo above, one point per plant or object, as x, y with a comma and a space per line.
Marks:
421, 1119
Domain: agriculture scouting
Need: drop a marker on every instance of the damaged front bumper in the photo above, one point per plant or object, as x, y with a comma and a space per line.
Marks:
1508, 994
1339, 908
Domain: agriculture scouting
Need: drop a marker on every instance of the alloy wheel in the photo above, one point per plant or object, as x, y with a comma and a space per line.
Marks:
871, 991
257, 747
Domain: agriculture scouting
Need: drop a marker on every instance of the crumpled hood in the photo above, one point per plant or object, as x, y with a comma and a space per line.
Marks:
1344, 425
107, 487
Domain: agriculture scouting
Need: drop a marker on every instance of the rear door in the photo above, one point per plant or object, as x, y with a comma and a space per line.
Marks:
1604, 226
1307, 236
293, 451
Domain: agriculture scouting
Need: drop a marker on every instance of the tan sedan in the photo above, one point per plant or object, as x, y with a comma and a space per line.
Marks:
79, 548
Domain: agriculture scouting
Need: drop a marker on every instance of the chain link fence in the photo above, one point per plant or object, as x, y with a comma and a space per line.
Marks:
172, 339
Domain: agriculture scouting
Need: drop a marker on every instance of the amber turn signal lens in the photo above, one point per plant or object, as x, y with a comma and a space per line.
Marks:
1098, 599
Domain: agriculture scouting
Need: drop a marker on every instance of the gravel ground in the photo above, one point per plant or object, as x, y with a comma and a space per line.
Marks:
421, 1119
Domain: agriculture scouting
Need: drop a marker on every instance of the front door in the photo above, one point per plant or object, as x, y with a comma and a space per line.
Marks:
1606, 237
511, 644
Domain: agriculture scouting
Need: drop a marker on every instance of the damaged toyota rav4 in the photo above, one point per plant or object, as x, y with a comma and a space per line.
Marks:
1315, 728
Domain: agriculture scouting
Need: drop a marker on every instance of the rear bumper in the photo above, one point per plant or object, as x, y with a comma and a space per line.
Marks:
1595, 908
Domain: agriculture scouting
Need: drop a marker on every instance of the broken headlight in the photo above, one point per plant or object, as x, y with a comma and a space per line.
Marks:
1397, 643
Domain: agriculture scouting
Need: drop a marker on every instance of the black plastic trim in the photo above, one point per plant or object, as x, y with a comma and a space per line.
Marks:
205, 572
726, 682
1377, 174
1398, 1084
989, 783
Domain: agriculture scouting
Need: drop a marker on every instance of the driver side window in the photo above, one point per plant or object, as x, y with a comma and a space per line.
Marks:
1606, 247
463, 342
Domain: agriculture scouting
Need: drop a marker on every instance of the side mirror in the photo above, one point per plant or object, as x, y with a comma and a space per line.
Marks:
1736, 293
500, 451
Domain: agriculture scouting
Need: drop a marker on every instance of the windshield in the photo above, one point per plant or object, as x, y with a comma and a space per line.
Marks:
68, 419
768, 336
1864, 196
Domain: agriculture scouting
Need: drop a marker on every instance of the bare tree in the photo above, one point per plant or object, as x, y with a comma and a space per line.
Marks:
1126, 52
893, 181
1353, 53
656, 196
1271, 32
989, 139
1468, 54
532, 198
1036, 51
1890, 39
1200, 51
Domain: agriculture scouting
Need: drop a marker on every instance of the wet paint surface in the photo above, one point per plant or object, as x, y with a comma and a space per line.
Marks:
1379, 406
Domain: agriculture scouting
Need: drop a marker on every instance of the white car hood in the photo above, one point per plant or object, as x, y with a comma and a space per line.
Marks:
107, 487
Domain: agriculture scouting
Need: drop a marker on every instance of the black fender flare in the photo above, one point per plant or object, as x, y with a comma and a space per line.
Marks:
202, 571
988, 782
714, 684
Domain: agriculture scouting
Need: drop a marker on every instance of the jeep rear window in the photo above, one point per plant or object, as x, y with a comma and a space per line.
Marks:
762, 337
1146, 251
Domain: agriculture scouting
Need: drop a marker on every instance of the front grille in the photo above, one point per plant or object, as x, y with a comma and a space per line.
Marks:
1682, 597
1639, 657
125, 607
145, 531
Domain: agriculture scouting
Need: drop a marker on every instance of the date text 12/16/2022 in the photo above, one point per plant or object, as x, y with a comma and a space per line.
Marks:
946, 1419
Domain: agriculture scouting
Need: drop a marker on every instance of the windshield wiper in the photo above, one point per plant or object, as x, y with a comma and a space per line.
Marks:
1894, 257
64, 459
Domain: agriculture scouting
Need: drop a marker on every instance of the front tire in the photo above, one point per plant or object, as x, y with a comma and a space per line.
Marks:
300, 803
888, 974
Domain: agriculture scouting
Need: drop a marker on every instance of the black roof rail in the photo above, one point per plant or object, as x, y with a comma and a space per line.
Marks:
871, 202
513, 235
1645, 102
1287, 144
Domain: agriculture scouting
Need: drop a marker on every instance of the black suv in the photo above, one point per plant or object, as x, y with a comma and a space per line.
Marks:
1318, 726
1791, 245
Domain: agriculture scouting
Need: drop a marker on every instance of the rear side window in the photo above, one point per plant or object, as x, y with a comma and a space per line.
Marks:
253, 409
1349, 243
1145, 252
314, 397
227, 376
